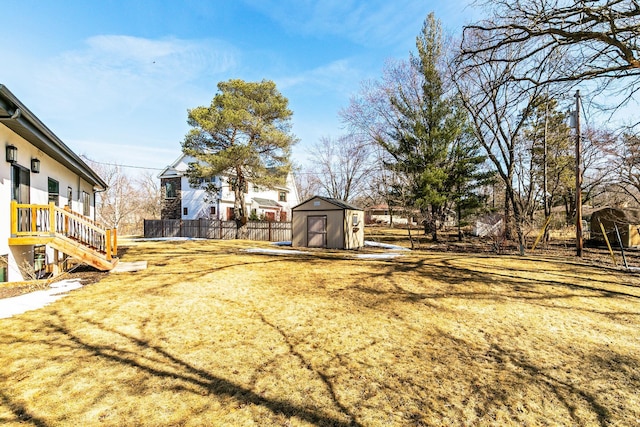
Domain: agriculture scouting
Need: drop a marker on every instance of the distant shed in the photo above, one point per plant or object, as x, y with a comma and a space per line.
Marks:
321, 222
627, 220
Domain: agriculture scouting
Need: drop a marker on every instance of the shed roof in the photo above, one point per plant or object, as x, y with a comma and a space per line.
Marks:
17, 117
626, 215
336, 202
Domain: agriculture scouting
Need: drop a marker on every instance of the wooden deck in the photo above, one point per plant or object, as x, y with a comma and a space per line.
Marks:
69, 232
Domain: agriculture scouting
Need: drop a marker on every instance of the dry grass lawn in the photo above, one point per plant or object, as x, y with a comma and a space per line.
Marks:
212, 335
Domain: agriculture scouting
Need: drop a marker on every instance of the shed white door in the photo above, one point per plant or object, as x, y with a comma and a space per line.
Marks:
317, 231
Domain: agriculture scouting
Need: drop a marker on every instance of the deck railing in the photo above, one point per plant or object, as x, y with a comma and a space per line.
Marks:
28, 220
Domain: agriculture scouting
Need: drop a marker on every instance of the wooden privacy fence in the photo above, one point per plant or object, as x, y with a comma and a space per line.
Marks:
216, 229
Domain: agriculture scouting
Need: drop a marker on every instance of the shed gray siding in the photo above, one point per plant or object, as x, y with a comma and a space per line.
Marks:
341, 232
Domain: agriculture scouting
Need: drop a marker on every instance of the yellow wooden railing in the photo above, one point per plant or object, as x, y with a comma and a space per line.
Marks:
29, 220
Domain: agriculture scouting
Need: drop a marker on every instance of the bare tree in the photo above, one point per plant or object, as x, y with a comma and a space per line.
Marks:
341, 166
594, 40
500, 107
627, 162
371, 116
119, 201
598, 163
150, 195
127, 201
306, 182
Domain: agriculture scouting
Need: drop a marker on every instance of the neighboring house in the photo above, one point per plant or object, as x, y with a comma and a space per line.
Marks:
182, 201
321, 222
47, 196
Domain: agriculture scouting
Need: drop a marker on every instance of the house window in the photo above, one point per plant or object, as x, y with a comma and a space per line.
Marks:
86, 204
206, 181
54, 191
170, 190
282, 196
355, 220
212, 210
69, 196
185, 211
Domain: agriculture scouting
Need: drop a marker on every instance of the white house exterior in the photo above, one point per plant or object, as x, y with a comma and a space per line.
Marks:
44, 170
182, 201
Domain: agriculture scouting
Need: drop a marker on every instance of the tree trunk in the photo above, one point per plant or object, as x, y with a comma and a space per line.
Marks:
518, 219
435, 216
459, 214
507, 216
240, 209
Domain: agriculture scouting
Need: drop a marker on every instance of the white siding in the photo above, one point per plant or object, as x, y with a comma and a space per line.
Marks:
197, 206
39, 191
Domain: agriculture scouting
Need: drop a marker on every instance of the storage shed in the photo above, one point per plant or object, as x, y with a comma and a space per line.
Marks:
627, 220
321, 222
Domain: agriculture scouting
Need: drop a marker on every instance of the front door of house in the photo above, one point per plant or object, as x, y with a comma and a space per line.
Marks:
20, 192
317, 231
20, 184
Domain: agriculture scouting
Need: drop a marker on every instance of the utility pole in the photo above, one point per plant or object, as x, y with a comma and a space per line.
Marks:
578, 179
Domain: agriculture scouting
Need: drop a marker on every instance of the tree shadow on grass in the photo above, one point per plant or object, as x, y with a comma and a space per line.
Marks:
516, 371
500, 283
158, 362
20, 412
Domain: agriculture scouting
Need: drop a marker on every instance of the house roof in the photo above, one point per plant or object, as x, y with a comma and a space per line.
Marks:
179, 167
336, 202
267, 203
17, 117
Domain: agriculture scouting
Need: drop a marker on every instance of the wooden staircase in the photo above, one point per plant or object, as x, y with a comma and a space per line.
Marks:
66, 231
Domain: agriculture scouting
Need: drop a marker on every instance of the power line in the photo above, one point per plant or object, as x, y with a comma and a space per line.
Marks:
119, 165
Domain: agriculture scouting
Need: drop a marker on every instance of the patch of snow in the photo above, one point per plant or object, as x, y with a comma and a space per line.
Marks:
274, 251
384, 246
163, 239
126, 267
378, 256
285, 243
19, 304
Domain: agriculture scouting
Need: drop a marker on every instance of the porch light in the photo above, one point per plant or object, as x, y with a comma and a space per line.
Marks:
35, 165
12, 154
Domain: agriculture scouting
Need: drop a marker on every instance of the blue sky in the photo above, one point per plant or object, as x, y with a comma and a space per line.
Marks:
114, 79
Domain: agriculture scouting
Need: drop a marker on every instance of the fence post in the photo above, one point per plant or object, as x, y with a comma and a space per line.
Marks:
108, 248
66, 221
14, 218
34, 219
52, 218
269, 230
115, 242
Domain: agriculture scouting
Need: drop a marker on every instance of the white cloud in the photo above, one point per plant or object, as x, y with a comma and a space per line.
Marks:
370, 23
127, 73
337, 76
121, 93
